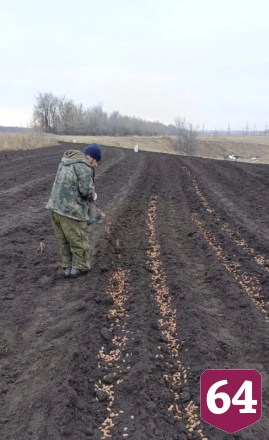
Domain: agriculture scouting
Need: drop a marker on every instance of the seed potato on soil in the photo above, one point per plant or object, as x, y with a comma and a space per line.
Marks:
178, 285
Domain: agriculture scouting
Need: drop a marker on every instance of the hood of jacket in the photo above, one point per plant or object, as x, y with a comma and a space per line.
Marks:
74, 156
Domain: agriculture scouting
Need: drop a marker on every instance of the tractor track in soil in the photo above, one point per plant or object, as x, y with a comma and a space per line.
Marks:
120, 352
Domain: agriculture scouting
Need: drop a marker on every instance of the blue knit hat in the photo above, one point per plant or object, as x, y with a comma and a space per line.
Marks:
94, 150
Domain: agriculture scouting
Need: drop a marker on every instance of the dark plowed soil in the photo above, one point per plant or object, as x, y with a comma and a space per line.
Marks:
63, 370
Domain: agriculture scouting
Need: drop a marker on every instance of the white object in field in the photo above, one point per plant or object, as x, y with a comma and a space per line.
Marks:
74, 141
95, 197
254, 159
232, 157
136, 148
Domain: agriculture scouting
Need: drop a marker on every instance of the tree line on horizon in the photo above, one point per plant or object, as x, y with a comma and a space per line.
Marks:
59, 115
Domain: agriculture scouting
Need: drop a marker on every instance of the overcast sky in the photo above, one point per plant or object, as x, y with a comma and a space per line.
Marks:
205, 60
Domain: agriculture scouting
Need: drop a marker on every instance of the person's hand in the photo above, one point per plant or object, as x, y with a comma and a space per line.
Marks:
95, 197
103, 214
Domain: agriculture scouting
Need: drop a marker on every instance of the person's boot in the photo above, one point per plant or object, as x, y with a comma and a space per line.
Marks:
76, 272
67, 271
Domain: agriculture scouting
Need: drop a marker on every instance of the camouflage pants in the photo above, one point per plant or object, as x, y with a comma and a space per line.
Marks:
73, 241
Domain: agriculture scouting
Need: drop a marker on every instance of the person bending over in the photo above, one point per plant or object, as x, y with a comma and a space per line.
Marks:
72, 193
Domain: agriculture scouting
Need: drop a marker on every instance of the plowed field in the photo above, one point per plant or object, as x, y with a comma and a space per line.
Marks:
179, 284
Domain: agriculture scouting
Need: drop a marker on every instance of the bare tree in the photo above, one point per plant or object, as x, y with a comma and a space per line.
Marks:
45, 112
192, 138
68, 116
186, 136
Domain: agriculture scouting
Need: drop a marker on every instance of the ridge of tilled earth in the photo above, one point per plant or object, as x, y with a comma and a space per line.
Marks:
221, 328
246, 264
237, 194
105, 340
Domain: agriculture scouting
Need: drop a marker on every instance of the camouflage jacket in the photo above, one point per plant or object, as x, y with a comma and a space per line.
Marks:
73, 188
